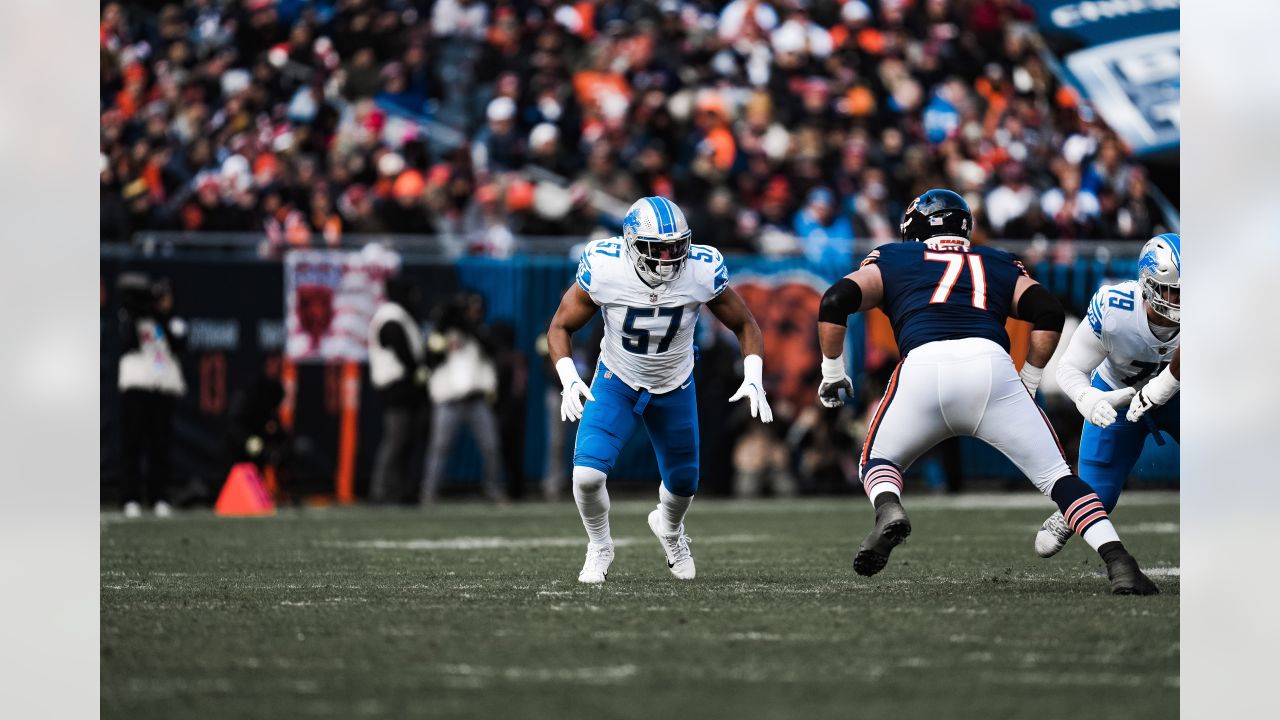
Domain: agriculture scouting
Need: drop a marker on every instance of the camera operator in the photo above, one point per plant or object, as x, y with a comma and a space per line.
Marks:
464, 385
398, 372
150, 383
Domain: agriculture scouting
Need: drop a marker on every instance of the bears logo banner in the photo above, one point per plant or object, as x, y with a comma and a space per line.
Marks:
329, 298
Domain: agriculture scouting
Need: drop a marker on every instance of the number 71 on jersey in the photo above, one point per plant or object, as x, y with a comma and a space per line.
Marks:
955, 264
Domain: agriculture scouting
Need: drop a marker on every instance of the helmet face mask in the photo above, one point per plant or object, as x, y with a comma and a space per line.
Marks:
937, 214
1165, 300
657, 239
1160, 275
659, 260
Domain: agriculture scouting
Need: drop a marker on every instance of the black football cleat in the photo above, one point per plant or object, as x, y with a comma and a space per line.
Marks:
891, 528
1127, 579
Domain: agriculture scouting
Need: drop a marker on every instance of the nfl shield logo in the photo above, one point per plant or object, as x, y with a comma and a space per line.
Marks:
653, 297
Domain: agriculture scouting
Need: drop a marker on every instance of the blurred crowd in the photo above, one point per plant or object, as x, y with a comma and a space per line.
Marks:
784, 127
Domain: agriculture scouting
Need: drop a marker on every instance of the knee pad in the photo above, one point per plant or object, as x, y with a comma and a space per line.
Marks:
587, 479
682, 480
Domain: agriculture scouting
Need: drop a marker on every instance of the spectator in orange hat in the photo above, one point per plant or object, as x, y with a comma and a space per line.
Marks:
405, 212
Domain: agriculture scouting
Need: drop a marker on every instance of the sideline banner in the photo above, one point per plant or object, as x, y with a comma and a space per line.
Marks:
1125, 56
329, 299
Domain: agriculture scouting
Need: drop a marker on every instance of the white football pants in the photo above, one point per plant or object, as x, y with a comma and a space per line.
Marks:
963, 387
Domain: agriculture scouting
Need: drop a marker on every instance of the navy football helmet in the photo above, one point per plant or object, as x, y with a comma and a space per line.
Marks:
937, 214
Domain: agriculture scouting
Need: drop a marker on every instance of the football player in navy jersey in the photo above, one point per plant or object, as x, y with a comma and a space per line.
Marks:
948, 302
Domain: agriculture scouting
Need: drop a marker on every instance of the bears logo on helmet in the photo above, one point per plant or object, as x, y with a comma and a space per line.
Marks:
936, 214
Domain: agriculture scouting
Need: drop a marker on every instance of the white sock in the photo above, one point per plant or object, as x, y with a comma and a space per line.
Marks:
593, 503
880, 488
1101, 533
672, 508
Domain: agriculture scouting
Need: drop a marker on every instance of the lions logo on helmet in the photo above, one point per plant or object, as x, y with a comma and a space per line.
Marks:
657, 237
1160, 275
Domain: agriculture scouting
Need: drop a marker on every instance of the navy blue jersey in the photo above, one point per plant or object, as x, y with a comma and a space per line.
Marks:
945, 292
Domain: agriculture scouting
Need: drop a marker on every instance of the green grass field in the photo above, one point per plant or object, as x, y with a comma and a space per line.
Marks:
468, 611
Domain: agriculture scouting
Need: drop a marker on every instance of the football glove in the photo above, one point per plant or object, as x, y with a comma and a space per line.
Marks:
752, 388
1154, 394
575, 389
1099, 407
834, 379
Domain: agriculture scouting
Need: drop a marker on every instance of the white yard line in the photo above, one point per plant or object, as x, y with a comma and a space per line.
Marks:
479, 675
1082, 679
1154, 528
507, 543
467, 509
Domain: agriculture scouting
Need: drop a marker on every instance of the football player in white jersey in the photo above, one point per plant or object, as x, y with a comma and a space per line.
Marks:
1127, 356
649, 284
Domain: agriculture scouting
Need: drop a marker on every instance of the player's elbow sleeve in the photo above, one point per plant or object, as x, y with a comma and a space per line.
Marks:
840, 301
1039, 307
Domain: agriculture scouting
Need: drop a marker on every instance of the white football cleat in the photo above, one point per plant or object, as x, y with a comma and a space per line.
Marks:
132, 510
1053, 535
676, 546
163, 509
596, 569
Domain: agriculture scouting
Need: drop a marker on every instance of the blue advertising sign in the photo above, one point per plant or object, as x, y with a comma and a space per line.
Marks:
1129, 67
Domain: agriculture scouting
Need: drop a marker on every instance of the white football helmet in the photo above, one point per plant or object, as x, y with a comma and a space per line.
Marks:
657, 237
1160, 275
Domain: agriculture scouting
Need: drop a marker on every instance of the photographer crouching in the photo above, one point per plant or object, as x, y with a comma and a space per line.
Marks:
150, 383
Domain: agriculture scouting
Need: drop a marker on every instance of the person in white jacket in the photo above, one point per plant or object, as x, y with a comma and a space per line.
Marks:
399, 375
150, 383
464, 386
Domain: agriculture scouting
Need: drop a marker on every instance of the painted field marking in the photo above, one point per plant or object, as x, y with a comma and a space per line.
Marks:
506, 543
602, 675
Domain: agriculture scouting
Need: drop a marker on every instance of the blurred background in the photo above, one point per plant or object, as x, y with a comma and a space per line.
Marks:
276, 174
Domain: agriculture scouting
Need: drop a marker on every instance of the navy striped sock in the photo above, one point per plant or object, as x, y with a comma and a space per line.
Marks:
1080, 505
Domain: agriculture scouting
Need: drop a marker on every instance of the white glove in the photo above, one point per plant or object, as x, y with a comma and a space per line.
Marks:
1154, 394
574, 390
752, 388
1099, 407
833, 379
1031, 377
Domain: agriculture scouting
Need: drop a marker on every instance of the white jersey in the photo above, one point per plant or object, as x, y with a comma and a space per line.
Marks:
648, 331
1134, 354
